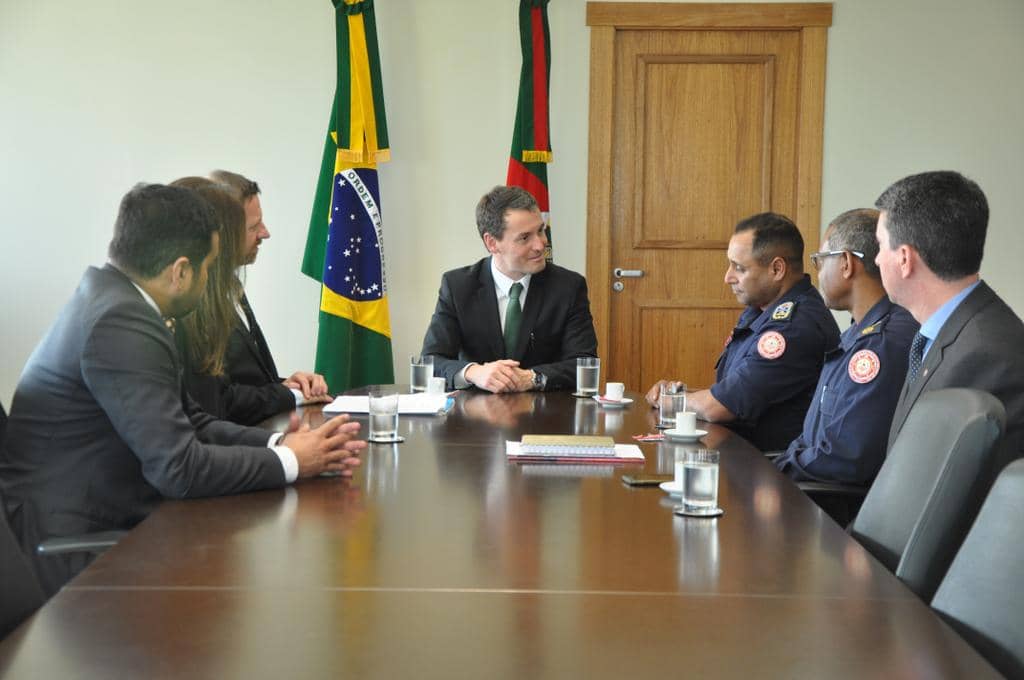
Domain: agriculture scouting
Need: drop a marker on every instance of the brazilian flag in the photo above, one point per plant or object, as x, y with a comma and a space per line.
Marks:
345, 245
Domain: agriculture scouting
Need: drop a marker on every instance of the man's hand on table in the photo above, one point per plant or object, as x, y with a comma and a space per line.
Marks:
331, 447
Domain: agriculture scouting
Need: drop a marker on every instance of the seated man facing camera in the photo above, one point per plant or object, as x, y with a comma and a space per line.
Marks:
101, 428
511, 322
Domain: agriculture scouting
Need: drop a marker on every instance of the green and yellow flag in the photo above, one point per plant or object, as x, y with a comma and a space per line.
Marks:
345, 245
531, 145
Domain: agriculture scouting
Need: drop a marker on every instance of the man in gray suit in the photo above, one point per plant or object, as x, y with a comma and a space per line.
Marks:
100, 427
931, 236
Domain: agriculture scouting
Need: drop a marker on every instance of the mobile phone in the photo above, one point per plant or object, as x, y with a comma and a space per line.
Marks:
646, 480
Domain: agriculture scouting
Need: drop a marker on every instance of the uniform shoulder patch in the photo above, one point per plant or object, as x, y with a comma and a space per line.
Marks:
783, 311
864, 366
771, 345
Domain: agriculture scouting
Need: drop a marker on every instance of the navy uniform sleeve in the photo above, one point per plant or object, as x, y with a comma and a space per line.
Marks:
758, 381
850, 442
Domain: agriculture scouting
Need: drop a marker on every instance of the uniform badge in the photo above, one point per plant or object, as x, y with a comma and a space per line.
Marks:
771, 345
727, 341
864, 366
868, 330
783, 311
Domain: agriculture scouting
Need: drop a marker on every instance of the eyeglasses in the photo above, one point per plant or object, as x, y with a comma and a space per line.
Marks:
818, 257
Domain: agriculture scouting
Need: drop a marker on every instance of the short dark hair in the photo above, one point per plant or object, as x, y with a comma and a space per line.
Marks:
157, 224
242, 187
855, 230
490, 211
941, 214
775, 235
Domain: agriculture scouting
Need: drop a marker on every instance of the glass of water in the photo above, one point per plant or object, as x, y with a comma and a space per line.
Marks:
383, 414
670, 402
588, 376
421, 369
700, 481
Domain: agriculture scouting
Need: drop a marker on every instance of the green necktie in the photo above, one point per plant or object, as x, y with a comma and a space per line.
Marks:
513, 317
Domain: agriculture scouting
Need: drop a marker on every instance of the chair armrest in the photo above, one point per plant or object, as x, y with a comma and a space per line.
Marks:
95, 543
836, 489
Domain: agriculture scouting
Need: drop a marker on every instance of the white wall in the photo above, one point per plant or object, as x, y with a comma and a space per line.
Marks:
96, 96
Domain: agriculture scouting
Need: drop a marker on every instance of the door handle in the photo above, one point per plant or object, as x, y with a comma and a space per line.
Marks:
621, 273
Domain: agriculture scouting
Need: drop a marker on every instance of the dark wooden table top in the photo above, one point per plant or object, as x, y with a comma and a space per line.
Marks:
442, 559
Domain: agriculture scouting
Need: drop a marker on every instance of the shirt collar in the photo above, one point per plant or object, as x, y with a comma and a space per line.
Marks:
934, 323
145, 296
502, 283
755, 316
878, 311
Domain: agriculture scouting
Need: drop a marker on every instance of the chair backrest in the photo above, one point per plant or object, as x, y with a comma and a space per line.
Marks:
20, 594
982, 595
931, 485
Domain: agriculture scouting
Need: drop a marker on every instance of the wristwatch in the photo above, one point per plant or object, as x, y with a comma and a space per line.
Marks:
540, 381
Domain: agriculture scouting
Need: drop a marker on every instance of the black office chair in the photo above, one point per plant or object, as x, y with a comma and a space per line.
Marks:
982, 595
931, 485
20, 594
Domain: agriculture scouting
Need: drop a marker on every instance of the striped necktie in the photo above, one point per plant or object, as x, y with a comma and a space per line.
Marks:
513, 317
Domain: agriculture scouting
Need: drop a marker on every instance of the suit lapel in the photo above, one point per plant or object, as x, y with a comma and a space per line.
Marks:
249, 337
978, 298
487, 306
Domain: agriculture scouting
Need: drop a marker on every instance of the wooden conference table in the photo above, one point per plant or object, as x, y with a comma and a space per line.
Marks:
441, 559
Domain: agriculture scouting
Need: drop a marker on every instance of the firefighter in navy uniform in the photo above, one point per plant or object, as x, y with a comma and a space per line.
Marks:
766, 374
845, 431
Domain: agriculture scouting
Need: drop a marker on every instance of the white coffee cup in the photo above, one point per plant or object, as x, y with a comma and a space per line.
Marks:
614, 391
435, 385
686, 422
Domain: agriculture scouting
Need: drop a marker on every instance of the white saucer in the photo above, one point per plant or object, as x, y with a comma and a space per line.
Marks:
675, 435
671, 488
611, 403
396, 440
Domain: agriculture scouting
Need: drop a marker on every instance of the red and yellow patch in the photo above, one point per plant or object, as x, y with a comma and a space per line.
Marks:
864, 366
771, 345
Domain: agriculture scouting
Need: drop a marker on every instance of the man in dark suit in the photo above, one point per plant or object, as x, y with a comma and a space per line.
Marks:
101, 428
931, 237
511, 322
251, 390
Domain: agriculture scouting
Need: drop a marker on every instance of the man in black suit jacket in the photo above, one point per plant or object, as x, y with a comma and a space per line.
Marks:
251, 390
511, 322
931, 236
101, 428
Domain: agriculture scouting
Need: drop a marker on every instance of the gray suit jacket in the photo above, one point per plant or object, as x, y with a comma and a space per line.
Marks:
981, 346
101, 429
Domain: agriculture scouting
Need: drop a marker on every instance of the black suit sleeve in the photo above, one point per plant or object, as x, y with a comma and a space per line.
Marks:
131, 372
443, 339
577, 340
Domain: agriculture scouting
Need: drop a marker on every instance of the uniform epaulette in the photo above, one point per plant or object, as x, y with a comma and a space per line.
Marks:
783, 312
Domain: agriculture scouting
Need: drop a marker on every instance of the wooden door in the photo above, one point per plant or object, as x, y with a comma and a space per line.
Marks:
700, 115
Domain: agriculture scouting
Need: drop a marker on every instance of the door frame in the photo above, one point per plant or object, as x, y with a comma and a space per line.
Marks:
812, 20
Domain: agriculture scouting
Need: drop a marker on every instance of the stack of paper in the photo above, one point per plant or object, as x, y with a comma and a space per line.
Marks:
408, 404
622, 453
566, 445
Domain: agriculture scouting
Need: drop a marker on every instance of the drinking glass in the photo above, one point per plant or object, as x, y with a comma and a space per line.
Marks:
421, 369
383, 414
670, 402
700, 480
588, 375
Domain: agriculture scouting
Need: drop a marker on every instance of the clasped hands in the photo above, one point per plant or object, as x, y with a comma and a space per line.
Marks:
331, 447
312, 385
503, 375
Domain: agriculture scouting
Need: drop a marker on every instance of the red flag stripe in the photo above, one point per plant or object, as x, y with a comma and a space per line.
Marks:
540, 82
520, 176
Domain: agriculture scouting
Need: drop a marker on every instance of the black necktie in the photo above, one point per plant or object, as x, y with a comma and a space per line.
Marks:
916, 356
513, 315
